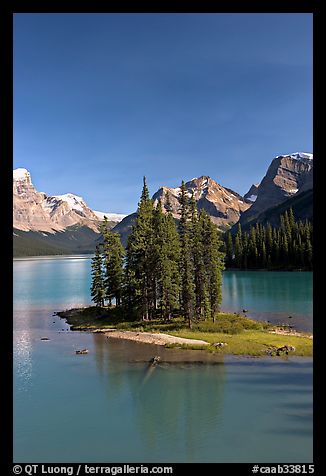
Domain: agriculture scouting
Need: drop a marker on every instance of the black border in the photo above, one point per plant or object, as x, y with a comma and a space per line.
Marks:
6, 142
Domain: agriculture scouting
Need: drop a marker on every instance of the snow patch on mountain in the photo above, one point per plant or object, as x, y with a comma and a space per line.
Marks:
298, 156
110, 216
176, 191
74, 202
252, 198
21, 174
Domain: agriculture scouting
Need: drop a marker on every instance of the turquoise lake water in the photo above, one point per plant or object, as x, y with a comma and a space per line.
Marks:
108, 406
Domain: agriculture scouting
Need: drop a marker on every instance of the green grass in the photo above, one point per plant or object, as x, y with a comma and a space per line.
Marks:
242, 335
251, 342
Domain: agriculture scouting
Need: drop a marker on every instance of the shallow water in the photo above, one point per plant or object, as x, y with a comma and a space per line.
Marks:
270, 295
110, 406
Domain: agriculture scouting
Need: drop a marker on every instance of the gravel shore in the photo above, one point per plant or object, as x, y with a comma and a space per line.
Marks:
153, 338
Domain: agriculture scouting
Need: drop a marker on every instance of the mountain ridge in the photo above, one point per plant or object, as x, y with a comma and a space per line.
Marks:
37, 211
286, 176
45, 219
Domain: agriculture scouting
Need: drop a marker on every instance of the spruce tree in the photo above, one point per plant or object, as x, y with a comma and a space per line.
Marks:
229, 250
196, 228
213, 259
113, 257
97, 288
238, 247
288, 246
166, 255
139, 263
186, 262
113, 262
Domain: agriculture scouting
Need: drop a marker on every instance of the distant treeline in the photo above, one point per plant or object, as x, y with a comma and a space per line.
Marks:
274, 248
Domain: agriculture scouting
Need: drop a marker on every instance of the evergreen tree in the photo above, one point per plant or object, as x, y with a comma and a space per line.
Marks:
97, 288
186, 261
139, 259
229, 250
196, 227
113, 257
166, 258
238, 249
213, 259
287, 247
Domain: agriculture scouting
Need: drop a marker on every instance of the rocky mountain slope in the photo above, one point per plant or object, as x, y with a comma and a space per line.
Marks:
301, 204
252, 193
46, 224
287, 176
73, 240
37, 211
58, 224
222, 204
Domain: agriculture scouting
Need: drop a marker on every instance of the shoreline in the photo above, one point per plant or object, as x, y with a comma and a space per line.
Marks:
253, 339
89, 255
159, 338
152, 338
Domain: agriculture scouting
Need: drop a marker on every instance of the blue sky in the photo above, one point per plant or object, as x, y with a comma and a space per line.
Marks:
102, 99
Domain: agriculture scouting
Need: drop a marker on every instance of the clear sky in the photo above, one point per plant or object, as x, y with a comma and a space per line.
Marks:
102, 99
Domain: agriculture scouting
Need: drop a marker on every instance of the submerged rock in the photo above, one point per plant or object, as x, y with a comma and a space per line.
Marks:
82, 351
155, 360
285, 349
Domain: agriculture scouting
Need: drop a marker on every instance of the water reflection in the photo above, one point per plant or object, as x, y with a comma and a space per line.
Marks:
183, 412
177, 404
23, 357
62, 281
109, 405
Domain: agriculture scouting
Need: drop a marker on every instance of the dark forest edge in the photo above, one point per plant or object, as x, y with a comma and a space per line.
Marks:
284, 248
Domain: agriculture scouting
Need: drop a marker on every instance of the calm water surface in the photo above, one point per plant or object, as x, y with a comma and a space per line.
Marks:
108, 406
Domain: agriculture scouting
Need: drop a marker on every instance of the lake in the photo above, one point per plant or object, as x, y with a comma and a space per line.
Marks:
109, 406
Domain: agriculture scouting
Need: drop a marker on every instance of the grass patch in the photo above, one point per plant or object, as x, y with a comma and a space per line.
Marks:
93, 317
242, 335
250, 342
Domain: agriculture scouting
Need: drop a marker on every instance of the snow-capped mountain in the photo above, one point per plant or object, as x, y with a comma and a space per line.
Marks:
287, 175
303, 156
37, 211
117, 217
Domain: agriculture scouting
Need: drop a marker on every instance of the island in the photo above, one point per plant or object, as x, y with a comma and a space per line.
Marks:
165, 288
229, 334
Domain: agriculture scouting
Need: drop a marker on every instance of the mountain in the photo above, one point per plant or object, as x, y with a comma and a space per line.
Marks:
287, 176
73, 240
222, 204
124, 227
37, 211
62, 224
301, 204
52, 224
